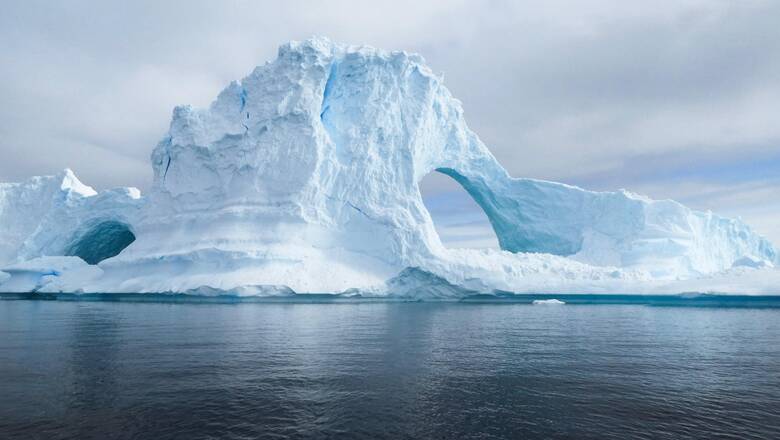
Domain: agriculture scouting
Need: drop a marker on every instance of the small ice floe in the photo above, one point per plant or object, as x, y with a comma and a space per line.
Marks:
548, 302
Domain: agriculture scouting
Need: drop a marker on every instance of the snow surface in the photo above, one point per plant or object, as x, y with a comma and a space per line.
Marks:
303, 177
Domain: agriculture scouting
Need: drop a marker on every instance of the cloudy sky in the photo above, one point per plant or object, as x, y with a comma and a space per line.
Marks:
674, 99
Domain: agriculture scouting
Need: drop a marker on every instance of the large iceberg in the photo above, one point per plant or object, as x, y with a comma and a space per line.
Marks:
304, 177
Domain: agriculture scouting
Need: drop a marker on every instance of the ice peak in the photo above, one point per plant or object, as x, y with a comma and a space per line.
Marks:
316, 43
71, 183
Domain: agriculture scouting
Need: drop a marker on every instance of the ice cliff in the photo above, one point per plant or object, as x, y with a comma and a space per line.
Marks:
304, 176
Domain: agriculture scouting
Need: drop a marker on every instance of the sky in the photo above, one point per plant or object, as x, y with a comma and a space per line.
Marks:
672, 99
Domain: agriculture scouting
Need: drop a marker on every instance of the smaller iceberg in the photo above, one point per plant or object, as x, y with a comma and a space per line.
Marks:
548, 302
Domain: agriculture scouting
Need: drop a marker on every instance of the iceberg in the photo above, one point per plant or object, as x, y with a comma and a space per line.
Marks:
547, 302
303, 177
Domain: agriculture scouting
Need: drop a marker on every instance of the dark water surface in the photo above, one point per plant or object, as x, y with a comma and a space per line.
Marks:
102, 370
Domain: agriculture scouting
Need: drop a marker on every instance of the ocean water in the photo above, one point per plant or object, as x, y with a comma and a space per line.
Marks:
395, 370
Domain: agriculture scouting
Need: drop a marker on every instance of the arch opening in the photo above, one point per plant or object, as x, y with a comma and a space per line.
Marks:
101, 241
458, 219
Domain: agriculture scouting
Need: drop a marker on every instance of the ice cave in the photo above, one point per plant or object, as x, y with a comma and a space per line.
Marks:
101, 241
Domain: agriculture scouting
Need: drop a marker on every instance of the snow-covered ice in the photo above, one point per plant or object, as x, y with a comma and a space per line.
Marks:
303, 177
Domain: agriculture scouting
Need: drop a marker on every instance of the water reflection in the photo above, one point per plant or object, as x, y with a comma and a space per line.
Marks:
95, 340
386, 370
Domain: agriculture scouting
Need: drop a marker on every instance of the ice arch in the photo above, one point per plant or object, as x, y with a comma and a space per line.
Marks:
458, 220
523, 219
101, 241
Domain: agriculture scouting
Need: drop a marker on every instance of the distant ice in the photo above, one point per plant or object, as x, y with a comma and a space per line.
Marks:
548, 302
